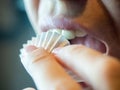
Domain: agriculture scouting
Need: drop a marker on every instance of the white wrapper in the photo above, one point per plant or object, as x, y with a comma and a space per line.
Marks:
49, 41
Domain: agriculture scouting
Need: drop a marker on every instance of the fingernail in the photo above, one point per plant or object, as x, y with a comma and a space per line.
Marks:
28, 88
56, 50
30, 48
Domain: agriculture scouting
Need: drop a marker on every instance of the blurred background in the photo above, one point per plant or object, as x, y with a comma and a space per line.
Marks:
15, 30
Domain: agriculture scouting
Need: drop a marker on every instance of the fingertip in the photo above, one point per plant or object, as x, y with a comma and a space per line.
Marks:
30, 48
71, 49
56, 50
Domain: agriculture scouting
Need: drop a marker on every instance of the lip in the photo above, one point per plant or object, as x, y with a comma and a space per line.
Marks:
61, 23
89, 40
85, 86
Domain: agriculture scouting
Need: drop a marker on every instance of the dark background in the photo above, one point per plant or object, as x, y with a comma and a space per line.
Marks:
15, 30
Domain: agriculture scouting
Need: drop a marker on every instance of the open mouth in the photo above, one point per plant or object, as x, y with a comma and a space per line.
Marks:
76, 33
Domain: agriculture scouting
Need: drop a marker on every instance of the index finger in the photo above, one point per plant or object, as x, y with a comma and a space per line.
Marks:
47, 73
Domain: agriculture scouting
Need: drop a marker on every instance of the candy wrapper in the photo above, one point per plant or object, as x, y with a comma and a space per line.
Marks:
49, 40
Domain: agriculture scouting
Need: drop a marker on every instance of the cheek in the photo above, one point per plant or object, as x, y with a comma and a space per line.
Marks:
94, 16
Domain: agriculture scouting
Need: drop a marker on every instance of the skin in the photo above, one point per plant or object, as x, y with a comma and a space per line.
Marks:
100, 17
103, 23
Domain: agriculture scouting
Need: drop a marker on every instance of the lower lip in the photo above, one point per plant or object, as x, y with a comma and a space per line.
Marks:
84, 86
90, 42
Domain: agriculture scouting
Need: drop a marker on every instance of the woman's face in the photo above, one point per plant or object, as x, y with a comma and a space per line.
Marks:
99, 19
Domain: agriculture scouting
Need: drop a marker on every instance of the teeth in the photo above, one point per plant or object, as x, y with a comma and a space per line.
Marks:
69, 34
80, 33
59, 31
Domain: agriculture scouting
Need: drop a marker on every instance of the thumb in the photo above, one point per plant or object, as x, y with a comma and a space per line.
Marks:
94, 67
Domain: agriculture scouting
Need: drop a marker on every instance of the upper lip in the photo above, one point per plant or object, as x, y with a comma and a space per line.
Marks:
60, 23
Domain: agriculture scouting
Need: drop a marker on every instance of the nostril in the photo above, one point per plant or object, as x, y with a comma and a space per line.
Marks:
79, 2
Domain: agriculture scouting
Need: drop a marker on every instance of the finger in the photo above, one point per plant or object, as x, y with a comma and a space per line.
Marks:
23, 56
29, 88
113, 6
47, 73
31, 7
96, 69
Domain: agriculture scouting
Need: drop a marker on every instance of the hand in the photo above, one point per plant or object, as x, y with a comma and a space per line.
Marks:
99, 71
45, 70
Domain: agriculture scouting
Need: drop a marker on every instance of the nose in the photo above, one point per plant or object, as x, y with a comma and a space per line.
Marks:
65, 8
74, 7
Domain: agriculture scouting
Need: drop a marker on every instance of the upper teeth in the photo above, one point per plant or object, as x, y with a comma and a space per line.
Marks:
70, 34
80, 33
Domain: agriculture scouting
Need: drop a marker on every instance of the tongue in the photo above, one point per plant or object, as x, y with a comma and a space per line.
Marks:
90, 42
